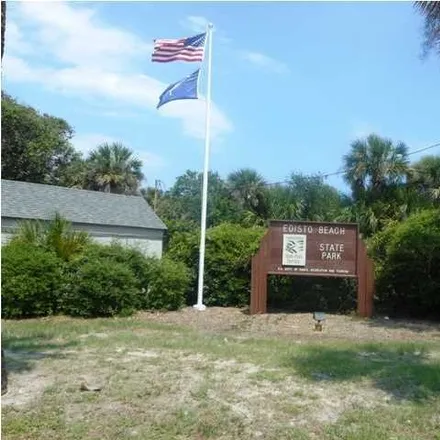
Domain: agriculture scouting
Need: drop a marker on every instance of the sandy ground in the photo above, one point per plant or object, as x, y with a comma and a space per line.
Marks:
299, 326
187, 380
172, 380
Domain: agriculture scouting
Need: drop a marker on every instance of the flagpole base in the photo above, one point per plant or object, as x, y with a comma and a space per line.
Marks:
200, 307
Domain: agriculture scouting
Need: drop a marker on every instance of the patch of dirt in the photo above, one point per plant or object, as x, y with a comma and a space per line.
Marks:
24, 386
296, 326
177, 381
291, 401
75, 412
232, 364
31, 373
95, 335
142, 354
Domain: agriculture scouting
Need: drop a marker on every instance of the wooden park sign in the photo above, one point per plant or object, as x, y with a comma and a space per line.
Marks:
312, 249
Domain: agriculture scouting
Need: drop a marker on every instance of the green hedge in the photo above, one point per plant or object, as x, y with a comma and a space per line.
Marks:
229, 249
32, 281
407, 259
138, 263
100, 281
166, 285
101, 288
161, 283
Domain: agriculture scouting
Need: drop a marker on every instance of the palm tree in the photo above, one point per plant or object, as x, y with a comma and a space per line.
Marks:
112, 168
374, 165
318, 201
248, 187
284, 203
431, 13
426, 176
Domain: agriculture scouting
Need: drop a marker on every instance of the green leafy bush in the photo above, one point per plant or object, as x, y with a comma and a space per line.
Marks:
116, 252
102, 280
32, 281
229, 250
159, 284
101, 287
166, 285
407, 258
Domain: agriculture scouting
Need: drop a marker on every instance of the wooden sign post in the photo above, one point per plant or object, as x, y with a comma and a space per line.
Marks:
312, 249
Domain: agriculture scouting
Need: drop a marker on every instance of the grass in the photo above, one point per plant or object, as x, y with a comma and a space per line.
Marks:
164, 382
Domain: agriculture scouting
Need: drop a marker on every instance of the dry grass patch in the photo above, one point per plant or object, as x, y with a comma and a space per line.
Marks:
164, 380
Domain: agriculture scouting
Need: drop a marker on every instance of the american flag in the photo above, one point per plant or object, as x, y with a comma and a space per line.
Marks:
183, 49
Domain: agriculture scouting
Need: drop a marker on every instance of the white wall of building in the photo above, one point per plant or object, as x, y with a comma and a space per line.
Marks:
5, 237
148, 241
151, 248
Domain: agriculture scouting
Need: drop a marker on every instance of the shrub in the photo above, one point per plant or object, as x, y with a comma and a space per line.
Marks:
101, 287
159, 284
32, 281
229, 250
168, 281
56, 236
408, 266
115, 252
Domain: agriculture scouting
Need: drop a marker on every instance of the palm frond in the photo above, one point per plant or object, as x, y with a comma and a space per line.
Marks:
431, 13
114, 169
63, 240
57, 235
30, 231
429, 9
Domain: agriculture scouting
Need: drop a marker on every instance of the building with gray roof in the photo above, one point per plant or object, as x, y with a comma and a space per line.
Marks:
105, 216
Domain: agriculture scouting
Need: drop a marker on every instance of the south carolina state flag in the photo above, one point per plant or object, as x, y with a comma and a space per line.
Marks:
186, 88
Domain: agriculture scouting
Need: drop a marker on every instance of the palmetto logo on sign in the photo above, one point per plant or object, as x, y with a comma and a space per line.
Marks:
294, 250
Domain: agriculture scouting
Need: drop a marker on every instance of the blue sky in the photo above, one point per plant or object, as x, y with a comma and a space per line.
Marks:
280, 103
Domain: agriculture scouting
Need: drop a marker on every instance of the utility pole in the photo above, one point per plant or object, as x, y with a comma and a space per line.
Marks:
156, 189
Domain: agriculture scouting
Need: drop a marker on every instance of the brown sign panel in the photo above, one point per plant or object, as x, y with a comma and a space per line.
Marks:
313, 248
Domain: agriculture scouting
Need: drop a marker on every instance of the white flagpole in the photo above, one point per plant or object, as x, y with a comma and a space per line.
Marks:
200, 305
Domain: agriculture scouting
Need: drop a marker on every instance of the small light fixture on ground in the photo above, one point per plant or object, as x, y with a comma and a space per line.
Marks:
319, 317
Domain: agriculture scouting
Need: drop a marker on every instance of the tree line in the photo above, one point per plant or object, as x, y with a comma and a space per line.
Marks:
384, 184
395, 201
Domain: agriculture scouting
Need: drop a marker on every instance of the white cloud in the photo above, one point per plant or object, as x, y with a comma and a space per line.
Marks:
15, 42
360, 130
195, 23
130, 89
75, 36
198, 24
151, 160
265, 62
89, 141
97, 62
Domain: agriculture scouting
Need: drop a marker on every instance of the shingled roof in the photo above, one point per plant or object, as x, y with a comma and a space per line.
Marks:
23, 200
